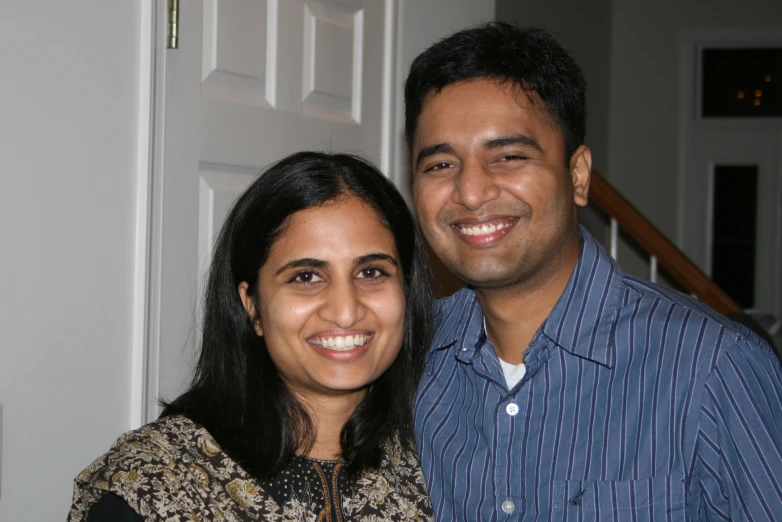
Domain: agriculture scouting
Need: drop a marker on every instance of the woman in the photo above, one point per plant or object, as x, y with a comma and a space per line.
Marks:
316, 323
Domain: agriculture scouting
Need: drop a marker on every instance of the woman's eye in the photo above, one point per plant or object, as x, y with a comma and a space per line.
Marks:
306, 278
372, 273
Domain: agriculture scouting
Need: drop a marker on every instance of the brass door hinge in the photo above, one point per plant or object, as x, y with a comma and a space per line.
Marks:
173, 24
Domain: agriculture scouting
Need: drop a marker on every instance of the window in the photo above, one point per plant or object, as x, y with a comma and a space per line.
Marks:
744, 83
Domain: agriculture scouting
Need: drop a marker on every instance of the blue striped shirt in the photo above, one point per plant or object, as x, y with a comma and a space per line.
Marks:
639, 403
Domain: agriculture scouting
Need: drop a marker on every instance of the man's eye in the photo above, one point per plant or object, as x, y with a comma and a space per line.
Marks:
513, 157
438, 166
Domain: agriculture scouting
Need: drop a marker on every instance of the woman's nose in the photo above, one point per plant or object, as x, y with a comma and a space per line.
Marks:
343, 306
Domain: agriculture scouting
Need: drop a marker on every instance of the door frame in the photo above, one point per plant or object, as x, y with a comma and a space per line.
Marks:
691, 43
147, 230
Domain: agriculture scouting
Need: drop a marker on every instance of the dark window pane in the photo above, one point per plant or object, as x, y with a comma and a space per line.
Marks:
733, 231
741, 82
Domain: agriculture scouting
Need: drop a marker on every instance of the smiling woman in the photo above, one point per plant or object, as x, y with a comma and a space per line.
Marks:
318, 315
332, 318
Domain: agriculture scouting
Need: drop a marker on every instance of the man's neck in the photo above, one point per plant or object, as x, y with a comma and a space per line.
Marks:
514, 314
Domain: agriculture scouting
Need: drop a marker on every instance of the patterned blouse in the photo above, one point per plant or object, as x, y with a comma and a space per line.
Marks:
173, 470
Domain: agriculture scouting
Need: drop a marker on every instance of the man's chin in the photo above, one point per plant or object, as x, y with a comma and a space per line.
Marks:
486, 277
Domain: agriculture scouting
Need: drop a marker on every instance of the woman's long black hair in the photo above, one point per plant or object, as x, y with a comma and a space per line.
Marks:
236, 392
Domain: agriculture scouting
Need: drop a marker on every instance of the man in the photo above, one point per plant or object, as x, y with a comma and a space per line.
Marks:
558, 388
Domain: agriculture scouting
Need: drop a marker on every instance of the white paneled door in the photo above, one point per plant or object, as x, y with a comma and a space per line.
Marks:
251, 81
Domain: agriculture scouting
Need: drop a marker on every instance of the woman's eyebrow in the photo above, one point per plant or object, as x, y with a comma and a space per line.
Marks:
375, 257
308, 262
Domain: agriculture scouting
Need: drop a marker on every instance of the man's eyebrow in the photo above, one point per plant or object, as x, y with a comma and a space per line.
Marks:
440, 148
375, 257
300, 263
518, 139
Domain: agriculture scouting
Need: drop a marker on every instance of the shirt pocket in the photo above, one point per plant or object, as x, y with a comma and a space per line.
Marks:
651, 499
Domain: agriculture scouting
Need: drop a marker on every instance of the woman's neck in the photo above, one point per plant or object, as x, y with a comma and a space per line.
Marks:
329, 415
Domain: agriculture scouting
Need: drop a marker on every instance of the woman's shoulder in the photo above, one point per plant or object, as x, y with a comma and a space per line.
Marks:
141, 467
171, 467
161, 445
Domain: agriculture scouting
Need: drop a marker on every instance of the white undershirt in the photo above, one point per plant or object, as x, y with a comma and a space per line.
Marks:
513, 372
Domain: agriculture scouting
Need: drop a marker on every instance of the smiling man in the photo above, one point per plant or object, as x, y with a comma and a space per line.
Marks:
558, 388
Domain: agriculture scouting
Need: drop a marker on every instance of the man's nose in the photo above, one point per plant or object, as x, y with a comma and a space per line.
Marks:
343, 306
475, 186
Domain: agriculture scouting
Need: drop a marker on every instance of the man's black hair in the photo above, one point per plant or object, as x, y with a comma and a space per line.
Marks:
529, 58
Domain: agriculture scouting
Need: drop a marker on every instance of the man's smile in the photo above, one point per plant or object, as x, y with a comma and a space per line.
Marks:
484, 231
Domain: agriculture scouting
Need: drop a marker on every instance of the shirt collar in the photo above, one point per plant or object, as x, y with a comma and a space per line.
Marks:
459, 321
584, 315
580, 322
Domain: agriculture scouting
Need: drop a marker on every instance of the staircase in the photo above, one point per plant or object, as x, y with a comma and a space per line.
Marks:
662, 253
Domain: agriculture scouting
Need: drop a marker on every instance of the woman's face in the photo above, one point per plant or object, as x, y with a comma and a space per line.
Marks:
331, 300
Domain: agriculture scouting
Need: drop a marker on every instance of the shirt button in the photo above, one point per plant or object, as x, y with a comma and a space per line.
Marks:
512, 409
508, 507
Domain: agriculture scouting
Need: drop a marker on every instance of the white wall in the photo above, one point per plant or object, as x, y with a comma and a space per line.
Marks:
68, 127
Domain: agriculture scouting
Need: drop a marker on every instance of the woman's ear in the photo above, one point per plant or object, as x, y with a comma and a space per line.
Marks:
249, 305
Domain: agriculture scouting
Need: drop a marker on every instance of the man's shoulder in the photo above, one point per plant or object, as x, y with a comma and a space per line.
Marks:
663, 307
461, 296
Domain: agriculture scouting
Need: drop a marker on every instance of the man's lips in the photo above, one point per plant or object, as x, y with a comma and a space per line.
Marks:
485, 231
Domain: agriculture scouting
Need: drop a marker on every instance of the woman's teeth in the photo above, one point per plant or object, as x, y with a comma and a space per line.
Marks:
341, 343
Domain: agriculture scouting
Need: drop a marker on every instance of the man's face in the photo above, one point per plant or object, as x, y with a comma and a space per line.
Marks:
492, 191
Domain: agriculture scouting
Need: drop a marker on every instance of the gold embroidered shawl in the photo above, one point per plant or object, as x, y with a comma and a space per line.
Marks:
173, 470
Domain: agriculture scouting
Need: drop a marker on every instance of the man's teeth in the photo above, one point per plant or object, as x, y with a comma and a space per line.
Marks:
342, 343
481, 229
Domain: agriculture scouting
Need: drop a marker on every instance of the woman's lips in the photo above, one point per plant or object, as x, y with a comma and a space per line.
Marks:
341, 347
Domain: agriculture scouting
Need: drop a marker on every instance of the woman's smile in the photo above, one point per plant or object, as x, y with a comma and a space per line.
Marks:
331, 318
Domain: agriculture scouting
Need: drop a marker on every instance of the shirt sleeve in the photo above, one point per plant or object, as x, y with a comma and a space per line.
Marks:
739, 460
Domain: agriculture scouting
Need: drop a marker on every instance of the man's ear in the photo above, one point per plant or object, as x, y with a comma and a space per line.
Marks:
249, 305
580, 172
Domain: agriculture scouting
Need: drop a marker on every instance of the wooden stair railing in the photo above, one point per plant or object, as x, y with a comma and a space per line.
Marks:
659, 248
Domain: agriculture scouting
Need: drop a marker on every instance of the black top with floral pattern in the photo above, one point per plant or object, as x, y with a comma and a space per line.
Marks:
172, 469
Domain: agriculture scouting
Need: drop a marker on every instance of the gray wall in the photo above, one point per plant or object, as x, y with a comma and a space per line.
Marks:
68, 133
644, 105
